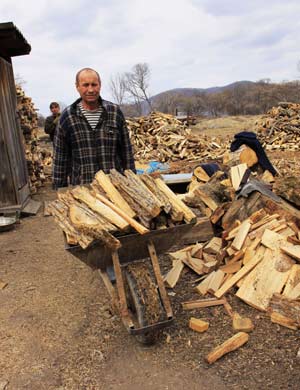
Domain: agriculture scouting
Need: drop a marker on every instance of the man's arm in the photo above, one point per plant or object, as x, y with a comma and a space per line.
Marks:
49, 125
126, 152
60, 155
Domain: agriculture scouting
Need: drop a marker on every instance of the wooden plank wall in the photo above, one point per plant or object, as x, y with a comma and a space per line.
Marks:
14, 189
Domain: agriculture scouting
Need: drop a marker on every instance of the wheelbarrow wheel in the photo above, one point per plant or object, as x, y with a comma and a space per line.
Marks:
143, 301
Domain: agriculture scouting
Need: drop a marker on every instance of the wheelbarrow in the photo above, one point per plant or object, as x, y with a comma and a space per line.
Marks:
139, 295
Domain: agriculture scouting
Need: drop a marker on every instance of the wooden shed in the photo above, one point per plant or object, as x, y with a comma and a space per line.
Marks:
14, 187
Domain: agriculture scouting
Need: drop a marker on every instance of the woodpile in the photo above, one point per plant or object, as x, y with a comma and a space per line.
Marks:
255, 256
279, 129
162, 137
116, 204
28, 122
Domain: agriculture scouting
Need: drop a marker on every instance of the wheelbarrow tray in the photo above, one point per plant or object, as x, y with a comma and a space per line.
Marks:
133, 246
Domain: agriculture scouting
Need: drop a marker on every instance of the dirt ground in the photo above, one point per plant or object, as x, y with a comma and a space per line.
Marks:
58, 330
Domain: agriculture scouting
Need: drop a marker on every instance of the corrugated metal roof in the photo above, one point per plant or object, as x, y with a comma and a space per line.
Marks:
12, 42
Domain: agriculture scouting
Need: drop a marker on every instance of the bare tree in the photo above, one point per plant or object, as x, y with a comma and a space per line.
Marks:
137, 84
117, 87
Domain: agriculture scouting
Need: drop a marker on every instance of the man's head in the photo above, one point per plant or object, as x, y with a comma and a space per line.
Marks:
88, 84
54, 108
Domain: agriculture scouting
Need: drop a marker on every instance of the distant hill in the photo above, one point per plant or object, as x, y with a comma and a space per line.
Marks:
192, 91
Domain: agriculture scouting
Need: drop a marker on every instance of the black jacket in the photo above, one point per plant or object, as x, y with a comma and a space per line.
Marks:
248, 138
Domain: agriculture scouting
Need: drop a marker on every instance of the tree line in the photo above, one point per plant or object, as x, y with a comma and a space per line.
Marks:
131, 91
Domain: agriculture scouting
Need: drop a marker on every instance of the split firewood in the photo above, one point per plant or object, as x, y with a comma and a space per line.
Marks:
292, 250
216, 281
177, 204
243, 324
137, 226
173, 275
83, 194
195, 264
201, 303
242, 155
293, 281
289, 308
198, 325
241, 235
144, 207
200, 174
229, 345
202, 287
163, 198
235, 278
112, 193
213, 246
236, 174
87, 223
282, 320
267, 278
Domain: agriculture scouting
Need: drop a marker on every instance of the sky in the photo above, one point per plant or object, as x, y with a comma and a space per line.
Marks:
186, 43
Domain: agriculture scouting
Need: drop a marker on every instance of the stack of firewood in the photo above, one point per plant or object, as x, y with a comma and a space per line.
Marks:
280, 127
164, 138
257, 251
28, 121
115, 204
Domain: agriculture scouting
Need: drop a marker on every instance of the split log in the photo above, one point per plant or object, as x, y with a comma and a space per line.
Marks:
235, 278
229, 345
113, 194
144, 208
83, 194
236, 174
87, 223
201, 303
137, 226
292, 250
289, 308
267, 278
177, 204
174, 274
198, 325
164, 200
243, 324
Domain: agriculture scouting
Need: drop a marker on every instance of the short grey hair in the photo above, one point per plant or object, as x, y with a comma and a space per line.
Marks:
88, 70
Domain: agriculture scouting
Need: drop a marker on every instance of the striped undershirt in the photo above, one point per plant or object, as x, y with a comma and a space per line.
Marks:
91, 116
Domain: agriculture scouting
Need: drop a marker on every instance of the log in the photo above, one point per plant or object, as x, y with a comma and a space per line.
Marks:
268, 277
173, 275
241, 235
144, 208
200, 174
292, 250
280, 319
83, 194
235, 278
150, 183
243, 324
188, 215
236, 174
137, 226
202, 287
289, 308
201, 303
198, 325
229, 345
113, 194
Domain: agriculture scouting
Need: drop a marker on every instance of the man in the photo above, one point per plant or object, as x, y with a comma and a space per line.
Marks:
91, 135
52, 120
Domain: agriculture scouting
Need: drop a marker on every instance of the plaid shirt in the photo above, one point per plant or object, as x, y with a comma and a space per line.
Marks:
80, 151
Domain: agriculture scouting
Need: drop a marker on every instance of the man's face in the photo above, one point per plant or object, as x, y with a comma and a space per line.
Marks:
54, 110
88, 87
